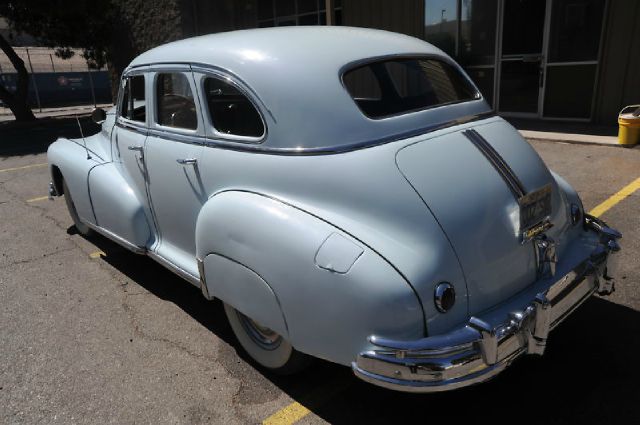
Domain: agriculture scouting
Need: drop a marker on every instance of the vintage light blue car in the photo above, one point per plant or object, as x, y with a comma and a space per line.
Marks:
348, 194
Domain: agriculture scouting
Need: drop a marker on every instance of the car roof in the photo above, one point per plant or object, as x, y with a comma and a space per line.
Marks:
295, 72
325, 46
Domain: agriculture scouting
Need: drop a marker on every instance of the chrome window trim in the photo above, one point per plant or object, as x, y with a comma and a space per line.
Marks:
203, 74
191, 139
332, 150
253, 96
126, 75
167, 135
153, 124
260, 148
132, 125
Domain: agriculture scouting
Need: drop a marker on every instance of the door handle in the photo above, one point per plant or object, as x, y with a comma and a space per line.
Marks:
135, 148
187, 161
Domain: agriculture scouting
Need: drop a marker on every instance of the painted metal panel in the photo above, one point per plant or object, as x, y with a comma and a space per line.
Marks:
177, 193
279, 243
246, 291
70, 156
118, 206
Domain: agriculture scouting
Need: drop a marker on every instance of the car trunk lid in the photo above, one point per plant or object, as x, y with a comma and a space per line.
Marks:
474, 181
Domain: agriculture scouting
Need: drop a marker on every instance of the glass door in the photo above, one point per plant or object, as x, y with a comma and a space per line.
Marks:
477, 43
521, 59
575, 31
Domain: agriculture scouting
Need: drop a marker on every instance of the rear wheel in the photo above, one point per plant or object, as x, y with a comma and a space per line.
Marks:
82, 228
266, 347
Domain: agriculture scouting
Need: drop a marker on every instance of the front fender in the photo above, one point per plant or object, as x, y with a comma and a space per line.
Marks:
70, 159
117, 207
332, 291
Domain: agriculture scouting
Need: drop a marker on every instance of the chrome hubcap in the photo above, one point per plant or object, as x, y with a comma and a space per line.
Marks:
261, 335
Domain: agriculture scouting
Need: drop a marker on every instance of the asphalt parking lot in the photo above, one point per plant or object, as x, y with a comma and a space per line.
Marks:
90, 333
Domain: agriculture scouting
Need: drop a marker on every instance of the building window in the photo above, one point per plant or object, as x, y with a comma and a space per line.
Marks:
280, 13
441, 24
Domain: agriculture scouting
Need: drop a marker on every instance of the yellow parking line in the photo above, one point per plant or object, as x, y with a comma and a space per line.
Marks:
622, 194
24, 167
292, 413
288, 415
96, 254
40, 198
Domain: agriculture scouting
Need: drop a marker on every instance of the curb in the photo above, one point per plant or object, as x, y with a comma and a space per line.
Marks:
574, 139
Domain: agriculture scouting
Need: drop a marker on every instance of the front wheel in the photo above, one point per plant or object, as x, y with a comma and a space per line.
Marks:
266, 347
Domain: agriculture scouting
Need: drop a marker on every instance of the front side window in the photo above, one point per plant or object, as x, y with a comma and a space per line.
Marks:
175, 104
230, 110
399, 86
133, 99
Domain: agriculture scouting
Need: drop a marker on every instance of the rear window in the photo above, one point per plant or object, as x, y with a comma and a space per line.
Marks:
397, 86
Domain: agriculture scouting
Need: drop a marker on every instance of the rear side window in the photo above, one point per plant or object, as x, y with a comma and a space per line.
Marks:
133, 99
397, 86
175, 104
230, 110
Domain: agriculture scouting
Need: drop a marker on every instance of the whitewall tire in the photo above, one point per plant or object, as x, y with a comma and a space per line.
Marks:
265, 346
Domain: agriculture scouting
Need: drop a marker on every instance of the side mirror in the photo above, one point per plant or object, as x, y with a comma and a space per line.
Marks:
98, 115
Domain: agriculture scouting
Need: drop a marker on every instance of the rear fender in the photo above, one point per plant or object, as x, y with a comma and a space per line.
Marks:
301, 276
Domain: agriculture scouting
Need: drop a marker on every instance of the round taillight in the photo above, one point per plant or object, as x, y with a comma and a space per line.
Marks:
444, 297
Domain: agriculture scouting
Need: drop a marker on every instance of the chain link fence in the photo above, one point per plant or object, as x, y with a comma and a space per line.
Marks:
57, 82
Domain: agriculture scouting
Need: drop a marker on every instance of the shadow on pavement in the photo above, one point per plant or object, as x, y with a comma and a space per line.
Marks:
589, 373
17, 139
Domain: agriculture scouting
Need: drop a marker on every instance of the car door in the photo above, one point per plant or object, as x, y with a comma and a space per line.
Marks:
128, 142
172, 151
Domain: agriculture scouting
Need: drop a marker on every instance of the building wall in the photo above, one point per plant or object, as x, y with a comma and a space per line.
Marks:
404, 16
205, 16
147, 24
619, 82
142, 26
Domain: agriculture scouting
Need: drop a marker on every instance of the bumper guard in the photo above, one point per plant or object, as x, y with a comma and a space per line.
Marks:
477, 352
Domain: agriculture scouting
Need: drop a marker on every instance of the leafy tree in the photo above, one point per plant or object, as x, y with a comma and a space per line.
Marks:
85, 24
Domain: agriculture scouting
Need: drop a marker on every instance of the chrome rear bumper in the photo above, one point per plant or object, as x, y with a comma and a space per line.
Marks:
479, 351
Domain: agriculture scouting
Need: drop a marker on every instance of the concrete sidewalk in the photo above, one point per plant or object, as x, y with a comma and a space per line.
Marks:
588, 139
6, 115
567, 131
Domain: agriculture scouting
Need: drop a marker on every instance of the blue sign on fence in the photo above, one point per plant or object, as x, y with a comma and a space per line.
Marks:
64, 88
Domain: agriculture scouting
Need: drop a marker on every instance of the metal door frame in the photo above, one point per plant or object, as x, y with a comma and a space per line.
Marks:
595, 62
544, 64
